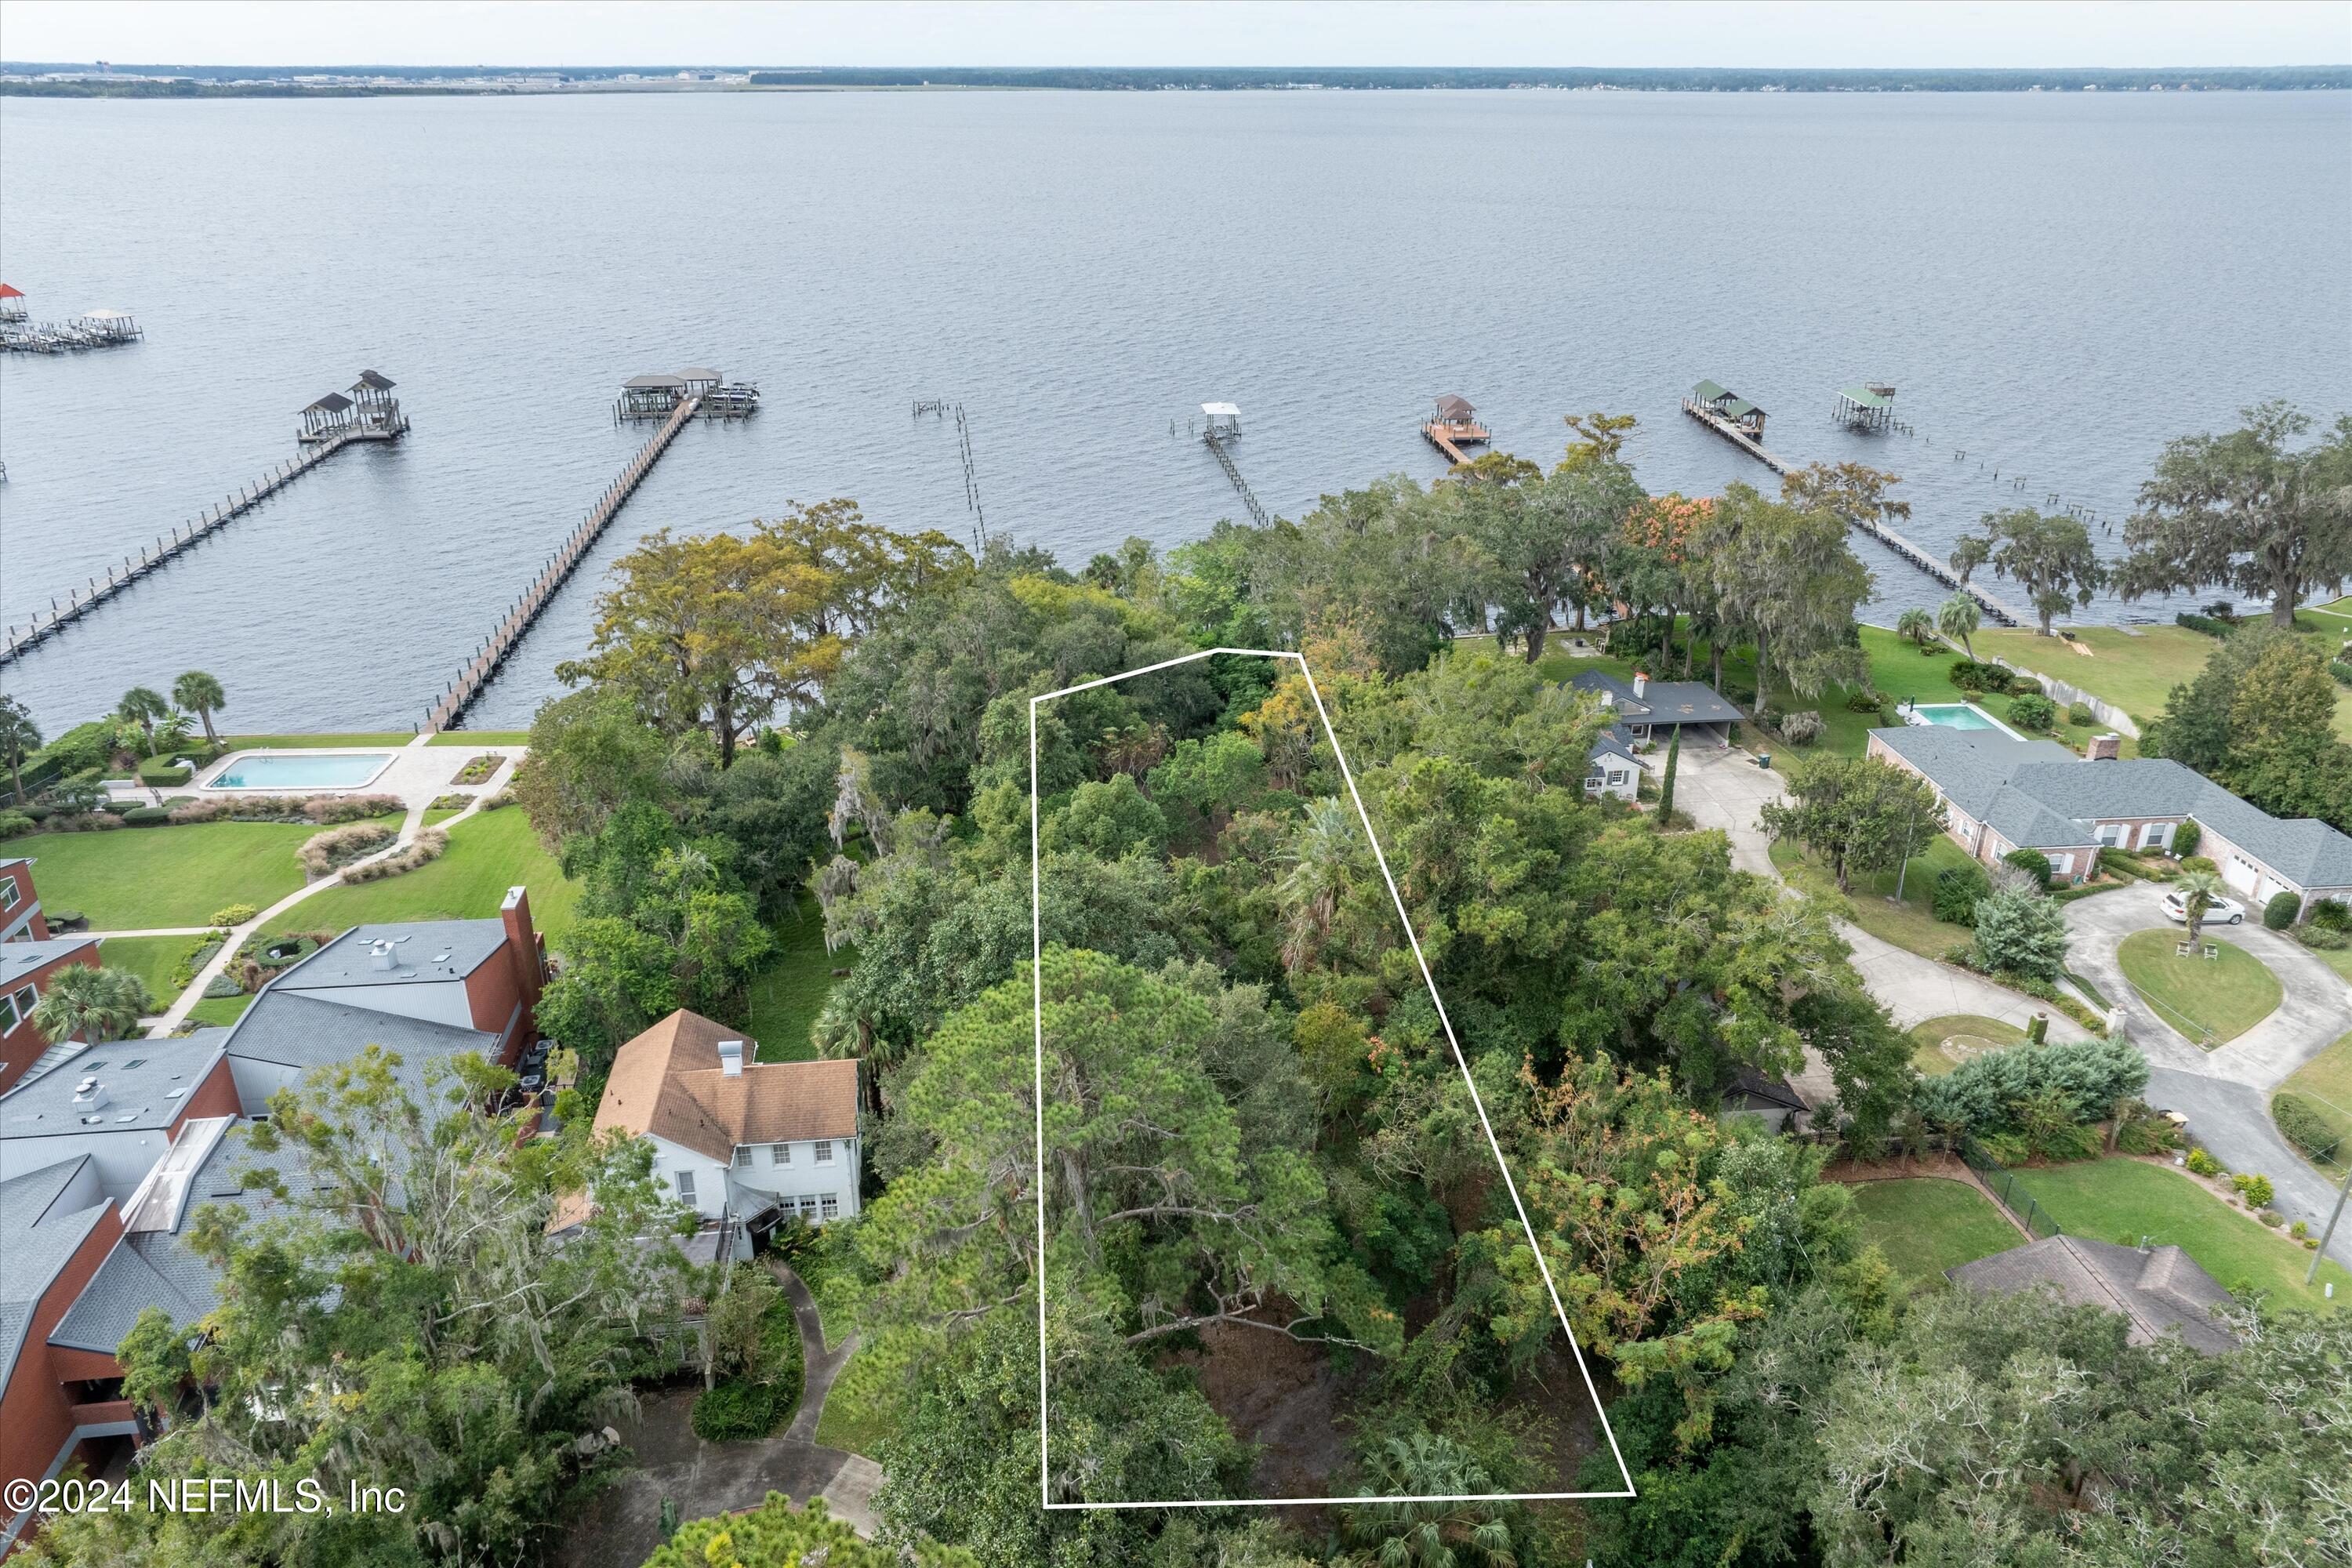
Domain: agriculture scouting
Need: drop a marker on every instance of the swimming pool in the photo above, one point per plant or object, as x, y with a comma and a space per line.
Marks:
299, 770
1956, 716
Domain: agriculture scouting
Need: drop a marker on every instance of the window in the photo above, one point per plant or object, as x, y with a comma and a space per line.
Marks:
825, 1150
8, 1014
807, 1205
8, 893
742, 1156
685, 1183
25, 997
828, 1205
780, 1153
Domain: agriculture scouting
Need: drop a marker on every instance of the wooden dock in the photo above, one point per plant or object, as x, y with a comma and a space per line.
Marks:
448, 709
1995, 609
80, 601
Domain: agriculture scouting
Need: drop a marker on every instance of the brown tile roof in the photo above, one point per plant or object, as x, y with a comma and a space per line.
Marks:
668, 1083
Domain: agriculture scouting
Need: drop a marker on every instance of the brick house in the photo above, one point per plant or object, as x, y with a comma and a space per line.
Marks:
20, 906
2002, 794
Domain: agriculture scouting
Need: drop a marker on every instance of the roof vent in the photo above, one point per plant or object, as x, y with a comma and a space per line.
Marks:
89, 1095
381, 958
731, 1058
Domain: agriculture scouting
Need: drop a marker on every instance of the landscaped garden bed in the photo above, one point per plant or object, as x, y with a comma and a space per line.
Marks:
2210, 1000
479, 770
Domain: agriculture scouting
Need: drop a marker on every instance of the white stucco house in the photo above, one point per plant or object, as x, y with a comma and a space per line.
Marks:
746, 1144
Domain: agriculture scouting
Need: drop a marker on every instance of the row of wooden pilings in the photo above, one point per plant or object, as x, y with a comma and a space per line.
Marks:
451, 706
80, 601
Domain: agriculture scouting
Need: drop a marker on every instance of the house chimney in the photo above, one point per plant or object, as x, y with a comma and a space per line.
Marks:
1608, 698
1640, 683
731, 1058
2105, 748
528, 957
383, 956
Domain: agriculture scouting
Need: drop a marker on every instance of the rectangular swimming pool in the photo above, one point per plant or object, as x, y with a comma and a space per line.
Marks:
1958, 716
299, 770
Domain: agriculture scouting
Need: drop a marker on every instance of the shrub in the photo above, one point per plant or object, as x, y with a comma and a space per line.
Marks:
2145, 1135
323, 853
2320, 940
160, 773
1801, 728
2298, 1230
506, 798
16, 824
2197, 863
1958, 890
452, 802
1984, 675
232, 915
2078, 1082
2080, 713
119, 807
2204, 1164
2272, 1218
2280, 912
737, 1411
223, 987
2332, 914
424, 849
2301, 1123
146, 816
2211, 626
2033, 862
1866, 703
2341, 671
2185, 837
2254, 1187
2032, 711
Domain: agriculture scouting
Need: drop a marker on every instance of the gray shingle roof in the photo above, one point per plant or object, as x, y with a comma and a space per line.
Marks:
1661, 701
36, 1240
2161, 1290
18, 959
147, 1083
424, 950
2038, 792
295, 1030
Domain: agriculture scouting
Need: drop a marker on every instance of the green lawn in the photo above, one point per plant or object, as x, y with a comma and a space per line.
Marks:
1939, 1045
221, 1010
296, 742
137, 877
2327, 1079
1927, 1225
2123, 1200
480, 738
2225, 996
151, 958
789, 993
1911, 924
2135, 673
852, 1420
488, 853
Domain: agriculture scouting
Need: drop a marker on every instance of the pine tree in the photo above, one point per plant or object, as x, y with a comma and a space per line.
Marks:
1666, 785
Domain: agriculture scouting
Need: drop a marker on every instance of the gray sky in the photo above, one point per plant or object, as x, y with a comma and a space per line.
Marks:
1885, 33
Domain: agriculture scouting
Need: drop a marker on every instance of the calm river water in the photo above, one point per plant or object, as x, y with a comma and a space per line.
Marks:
2057, 284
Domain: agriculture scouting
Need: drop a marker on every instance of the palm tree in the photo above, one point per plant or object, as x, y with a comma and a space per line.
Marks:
144, 706
1431, 1535
1959, 616
91, 1005
1916, 627
202, 695
1320, 861
19, 738
2201, 892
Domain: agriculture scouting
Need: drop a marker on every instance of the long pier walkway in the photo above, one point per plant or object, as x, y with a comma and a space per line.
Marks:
1995, 609
450, 708
82, 600
1216, 441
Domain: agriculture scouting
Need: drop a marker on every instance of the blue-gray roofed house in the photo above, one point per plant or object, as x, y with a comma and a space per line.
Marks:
2002, 794
1643, 713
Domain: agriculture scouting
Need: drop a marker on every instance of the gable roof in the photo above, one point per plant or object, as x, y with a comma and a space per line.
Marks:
668, 1083
294, 1030
1661, 701
1708, 390
2161, 1290
372, 379
334, 403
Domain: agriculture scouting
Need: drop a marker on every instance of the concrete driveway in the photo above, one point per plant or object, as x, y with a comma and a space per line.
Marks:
2317, 1008
1721, 787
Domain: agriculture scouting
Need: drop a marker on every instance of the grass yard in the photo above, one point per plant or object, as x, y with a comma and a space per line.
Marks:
2122, 1200
2326, 1080
152, 959
1911, 924
1925, 1225
2211, 1001
488, 853
1939, 1045
852, 1420
137, 877
298, 742
221, 1011
789, 993
2135, 673
481, 738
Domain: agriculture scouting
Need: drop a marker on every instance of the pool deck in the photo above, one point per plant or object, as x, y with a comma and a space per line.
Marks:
418, 775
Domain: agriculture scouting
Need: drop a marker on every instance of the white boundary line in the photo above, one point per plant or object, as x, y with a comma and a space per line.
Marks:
1037, 994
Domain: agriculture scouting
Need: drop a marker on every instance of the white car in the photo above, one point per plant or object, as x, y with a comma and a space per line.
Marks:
2223, 912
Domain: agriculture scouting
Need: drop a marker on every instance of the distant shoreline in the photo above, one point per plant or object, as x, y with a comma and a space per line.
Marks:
87, 79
